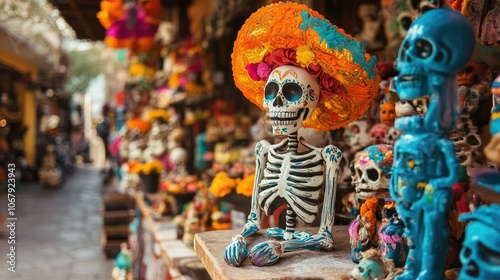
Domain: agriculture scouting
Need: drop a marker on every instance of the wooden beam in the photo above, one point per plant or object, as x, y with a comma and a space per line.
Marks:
81, 20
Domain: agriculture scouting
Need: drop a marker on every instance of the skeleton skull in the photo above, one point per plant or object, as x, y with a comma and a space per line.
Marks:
431, 51
467, 141
371, 169
377, 133
392, 135
471, 74
290, 96
480, 254
371, 266
357, 135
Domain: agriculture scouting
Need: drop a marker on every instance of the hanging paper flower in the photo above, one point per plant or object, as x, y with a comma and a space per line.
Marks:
134, 33
111, 11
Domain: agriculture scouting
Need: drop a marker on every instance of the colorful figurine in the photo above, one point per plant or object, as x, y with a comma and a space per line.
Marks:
377, 226
480, 252
437, 45
305, 72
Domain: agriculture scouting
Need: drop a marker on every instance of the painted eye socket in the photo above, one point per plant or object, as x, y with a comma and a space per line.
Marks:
292, 92
424, 48
271, 90
372, 174
491, 256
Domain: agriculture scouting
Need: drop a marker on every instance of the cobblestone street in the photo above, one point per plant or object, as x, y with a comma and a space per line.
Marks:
58, 232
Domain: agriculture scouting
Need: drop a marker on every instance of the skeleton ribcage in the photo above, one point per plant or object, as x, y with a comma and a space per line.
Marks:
296, 179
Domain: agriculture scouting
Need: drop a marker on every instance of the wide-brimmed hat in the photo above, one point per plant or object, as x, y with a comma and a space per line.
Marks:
293, 34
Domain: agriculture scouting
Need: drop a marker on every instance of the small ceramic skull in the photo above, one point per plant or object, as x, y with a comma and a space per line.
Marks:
289, 97
377, 133
471, 74
370, 267
357, 135
371, 169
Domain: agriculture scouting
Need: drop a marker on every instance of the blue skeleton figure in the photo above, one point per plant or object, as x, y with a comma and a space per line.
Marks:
425, 167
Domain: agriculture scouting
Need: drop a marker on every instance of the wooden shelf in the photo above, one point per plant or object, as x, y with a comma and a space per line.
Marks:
209, 247
173, 251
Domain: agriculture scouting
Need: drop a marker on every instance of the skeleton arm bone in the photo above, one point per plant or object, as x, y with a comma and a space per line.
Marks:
236, 252
332, 156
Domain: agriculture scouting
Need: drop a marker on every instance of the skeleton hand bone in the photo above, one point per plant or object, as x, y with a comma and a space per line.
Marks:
236, 252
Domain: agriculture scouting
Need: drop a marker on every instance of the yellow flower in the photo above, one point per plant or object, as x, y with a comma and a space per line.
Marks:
245, 186
305, 56
152, 166
222, 184
158, 114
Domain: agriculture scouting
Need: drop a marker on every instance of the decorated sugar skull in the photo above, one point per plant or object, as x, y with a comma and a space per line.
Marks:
290, 96
370, 267
431, 51
371, 168
377, 133
480, 254
357, 134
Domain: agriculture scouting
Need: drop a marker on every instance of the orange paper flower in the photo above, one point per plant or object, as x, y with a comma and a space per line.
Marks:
136, 123
245, 186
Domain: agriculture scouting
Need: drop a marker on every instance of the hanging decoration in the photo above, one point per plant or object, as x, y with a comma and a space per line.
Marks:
128, 24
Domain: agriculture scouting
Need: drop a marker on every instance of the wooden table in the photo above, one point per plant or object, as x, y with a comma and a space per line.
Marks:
305, 264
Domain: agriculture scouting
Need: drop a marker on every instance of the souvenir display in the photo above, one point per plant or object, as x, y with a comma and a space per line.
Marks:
478, 254
386, 133
425, 164
293, 69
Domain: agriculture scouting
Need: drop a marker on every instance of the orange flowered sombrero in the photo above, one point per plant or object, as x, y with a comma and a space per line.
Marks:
293, 34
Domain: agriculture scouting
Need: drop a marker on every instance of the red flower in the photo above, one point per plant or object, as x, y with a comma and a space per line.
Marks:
329, 86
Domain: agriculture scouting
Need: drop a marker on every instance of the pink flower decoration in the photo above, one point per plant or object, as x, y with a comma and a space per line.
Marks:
263, 70
252, 71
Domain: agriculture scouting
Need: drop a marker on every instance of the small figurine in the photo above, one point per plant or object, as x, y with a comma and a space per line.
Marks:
378, 223
123, 263
373, 267
437, 45
377, 133
480, 250
295, 68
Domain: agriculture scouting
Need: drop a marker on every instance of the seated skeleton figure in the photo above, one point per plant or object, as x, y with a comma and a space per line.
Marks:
295, 84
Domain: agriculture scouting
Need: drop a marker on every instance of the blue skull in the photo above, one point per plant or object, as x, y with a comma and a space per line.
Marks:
437, 45
480, 254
